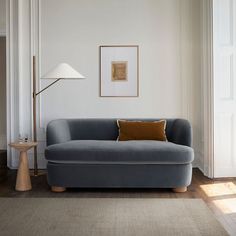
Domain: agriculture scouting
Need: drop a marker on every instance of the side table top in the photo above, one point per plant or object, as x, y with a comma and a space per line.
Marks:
23, 145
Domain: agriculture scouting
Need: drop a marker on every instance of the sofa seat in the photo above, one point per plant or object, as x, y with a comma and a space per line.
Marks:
122, 152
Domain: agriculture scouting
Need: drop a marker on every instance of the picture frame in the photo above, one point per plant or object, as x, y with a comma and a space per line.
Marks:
119, 70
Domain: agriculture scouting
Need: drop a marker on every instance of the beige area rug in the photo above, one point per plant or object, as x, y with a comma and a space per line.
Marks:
106, 217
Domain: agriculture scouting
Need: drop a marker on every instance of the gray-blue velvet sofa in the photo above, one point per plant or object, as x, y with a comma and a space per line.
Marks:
85, 153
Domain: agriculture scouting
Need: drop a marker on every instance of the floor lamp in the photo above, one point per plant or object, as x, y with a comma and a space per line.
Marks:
61, 71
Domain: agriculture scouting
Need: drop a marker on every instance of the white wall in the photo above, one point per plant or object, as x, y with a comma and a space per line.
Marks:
72, 32
167, 34
2, 17
190, 51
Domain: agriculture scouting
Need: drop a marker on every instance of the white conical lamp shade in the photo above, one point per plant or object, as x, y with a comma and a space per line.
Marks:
63, 71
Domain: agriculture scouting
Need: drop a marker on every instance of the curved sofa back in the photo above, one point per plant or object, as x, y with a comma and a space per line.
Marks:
62, 130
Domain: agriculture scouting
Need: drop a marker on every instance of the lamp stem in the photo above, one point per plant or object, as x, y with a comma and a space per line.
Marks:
35, 94
34, 120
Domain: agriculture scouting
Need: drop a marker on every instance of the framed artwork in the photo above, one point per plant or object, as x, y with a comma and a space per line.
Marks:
119, 71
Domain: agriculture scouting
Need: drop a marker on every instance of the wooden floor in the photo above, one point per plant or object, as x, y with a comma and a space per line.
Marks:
219, 194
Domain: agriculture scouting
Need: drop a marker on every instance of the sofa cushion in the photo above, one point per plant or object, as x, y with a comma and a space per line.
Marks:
122, 152
141, 130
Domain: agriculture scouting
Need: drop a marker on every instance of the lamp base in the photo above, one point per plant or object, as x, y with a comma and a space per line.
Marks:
39, 173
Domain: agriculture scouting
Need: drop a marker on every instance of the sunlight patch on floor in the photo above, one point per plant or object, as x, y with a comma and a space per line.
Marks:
227, 206
219, 189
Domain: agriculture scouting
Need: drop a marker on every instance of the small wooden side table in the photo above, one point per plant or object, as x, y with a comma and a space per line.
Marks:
23, 182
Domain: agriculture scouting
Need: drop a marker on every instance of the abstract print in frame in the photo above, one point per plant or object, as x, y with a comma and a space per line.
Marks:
119, 71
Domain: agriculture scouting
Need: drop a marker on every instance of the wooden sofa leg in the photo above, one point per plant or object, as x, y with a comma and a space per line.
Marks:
57, 189
180, 190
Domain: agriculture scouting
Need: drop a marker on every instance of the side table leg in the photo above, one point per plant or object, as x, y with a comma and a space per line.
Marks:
23, 182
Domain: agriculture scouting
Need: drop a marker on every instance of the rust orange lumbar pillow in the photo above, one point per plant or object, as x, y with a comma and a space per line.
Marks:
141, 130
